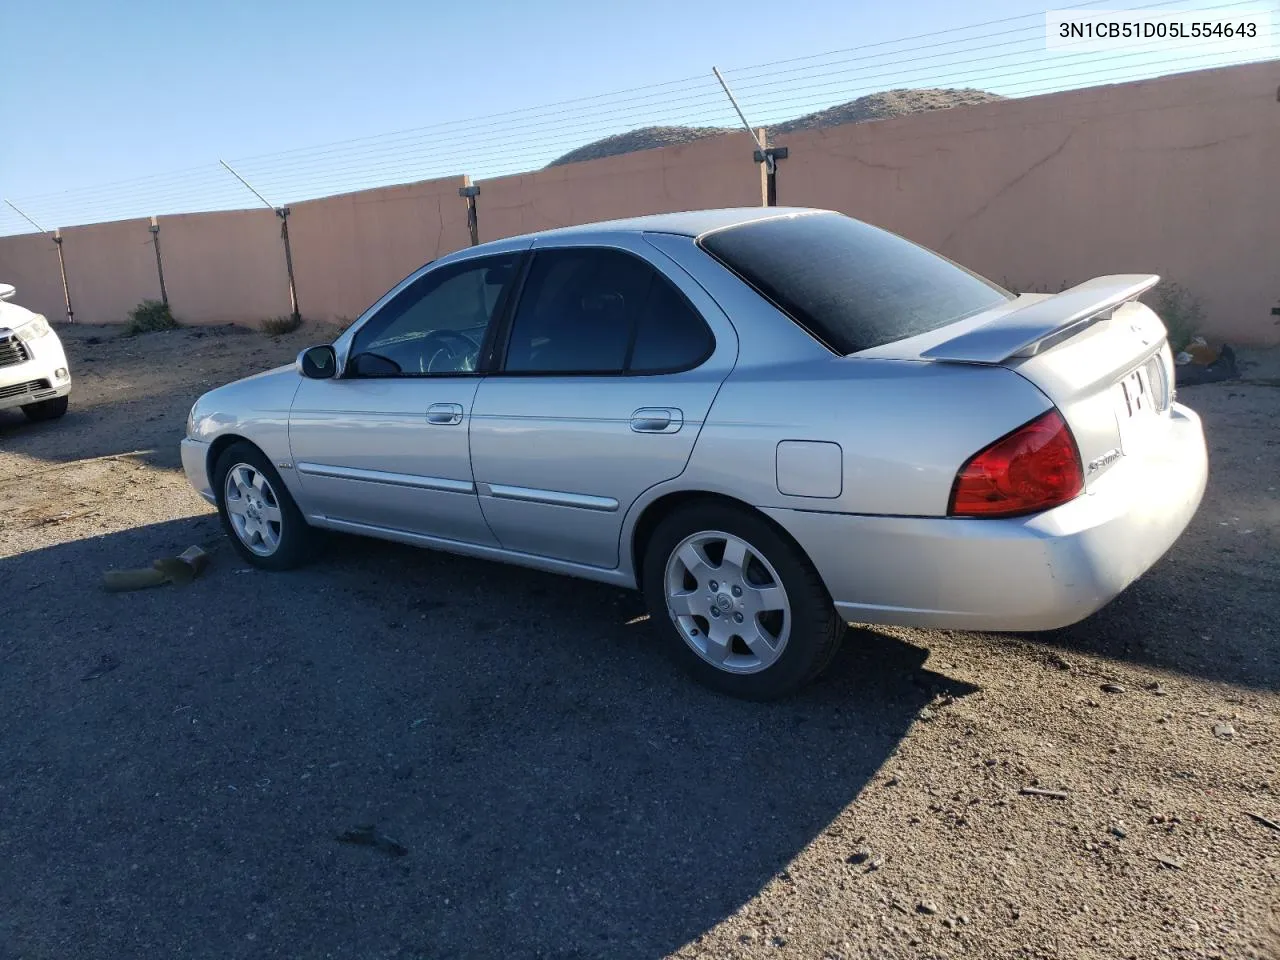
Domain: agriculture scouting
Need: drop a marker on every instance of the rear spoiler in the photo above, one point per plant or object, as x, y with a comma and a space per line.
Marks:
1025, 331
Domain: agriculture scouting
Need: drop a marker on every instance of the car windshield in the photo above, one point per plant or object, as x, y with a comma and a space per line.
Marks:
851, 285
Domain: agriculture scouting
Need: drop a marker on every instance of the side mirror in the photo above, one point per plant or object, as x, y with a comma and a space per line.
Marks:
6, 291
317, 363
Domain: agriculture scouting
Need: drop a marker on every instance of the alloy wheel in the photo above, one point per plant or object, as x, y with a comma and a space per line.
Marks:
727, 601
253, 509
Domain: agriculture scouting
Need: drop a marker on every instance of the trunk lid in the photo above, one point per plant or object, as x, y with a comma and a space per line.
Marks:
1101, 357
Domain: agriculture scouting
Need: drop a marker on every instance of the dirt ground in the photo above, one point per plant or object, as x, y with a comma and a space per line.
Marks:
178, 764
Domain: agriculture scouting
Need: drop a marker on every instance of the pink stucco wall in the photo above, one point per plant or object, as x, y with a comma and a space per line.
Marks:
715, 172
30, 262
1172, 176
224, 267
111, 267
350, 249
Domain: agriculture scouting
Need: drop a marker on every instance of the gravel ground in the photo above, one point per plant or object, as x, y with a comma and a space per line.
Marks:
541, 780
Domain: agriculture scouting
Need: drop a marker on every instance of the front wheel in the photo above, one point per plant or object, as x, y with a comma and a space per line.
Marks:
747, 609
264, 524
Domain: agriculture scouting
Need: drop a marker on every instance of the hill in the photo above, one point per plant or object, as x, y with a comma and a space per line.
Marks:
646, 138
874, 106
884, 106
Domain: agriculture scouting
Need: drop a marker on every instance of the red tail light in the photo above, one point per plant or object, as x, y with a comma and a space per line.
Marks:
1032, 469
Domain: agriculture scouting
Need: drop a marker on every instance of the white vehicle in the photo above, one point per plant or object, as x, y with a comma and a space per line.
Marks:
33, 365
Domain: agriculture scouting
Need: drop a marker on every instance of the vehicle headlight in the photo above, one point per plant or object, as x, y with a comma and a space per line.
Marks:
191, 420
34, 329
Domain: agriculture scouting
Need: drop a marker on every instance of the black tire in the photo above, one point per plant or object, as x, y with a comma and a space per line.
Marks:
50, 409
816, 629
298, 540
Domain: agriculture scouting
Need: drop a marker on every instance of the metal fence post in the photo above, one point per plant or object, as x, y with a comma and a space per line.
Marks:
471, 191
155, 240
62, 267
283, 214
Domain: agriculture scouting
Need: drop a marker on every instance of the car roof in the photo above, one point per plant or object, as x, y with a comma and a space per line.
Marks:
688, 223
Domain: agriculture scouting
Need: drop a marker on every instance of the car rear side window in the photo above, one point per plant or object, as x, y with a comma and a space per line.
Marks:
670, 335
588, 310
851, 285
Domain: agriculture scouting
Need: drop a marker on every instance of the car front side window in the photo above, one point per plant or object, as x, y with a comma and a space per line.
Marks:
436, 326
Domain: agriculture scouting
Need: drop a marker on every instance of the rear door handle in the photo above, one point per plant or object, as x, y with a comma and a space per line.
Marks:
657, 420
444, 413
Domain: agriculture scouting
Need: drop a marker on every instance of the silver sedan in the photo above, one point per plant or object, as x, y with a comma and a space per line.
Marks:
770, 421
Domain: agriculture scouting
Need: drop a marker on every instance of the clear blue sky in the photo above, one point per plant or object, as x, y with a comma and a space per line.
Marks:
96, 92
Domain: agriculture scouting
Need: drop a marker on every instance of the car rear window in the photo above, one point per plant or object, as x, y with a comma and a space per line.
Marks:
851, 285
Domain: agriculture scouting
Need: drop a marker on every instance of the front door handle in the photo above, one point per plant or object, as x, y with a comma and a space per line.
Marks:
444, 413
657, 420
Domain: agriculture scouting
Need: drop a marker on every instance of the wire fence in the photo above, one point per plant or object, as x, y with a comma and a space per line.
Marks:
1006, 57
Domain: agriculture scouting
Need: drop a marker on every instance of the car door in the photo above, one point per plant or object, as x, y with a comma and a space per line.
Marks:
611, 361
383, 447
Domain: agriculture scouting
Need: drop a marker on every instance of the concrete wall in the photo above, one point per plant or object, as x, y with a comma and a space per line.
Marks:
350, 249
224, 267
715, 172
30, 263
1174, 176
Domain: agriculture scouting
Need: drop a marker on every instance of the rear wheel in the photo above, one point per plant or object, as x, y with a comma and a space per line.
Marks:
748, 611
264, 524
50, 409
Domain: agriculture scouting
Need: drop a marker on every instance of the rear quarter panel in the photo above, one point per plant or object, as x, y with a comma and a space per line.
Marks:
904, 429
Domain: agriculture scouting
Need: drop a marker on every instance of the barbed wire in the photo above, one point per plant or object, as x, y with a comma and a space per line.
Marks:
1011, 61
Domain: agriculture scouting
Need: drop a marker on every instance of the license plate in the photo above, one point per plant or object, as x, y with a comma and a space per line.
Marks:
1137, 405
1135, 396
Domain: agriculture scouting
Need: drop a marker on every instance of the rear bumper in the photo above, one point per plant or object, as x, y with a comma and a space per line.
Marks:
1027, 573
195, 464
